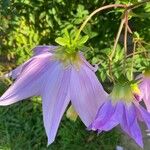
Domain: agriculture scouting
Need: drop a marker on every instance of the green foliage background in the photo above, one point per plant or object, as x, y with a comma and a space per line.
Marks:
25, 24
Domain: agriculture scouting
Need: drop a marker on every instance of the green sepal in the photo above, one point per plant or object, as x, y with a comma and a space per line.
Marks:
82, 40
63, 41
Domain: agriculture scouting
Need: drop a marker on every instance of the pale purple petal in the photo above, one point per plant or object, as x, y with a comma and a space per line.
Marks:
44, 48
37, 50
55, 99
129, 124
88, 64
144, 115
29, 83
145, 92
87, 94
17, 71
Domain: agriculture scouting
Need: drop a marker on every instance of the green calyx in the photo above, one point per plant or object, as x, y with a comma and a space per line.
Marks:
124, 90
68, 52
68, 58
147, 72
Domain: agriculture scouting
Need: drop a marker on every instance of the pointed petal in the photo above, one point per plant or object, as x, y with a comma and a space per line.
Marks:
55, 100
87, 94
17, 71
144, 114
102, 116
29, 82
108, 117
38, 50
88, 64
130, 126
114, 118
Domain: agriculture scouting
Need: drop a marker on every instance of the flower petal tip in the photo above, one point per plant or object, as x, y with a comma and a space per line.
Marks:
50, 141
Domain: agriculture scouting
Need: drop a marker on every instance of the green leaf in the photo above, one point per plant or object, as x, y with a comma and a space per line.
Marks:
62, 41
66, 33
83, 40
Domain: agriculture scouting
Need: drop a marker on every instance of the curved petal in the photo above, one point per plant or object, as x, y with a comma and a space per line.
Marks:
44, 48
17, 71
87, 94
88, 64
55, 100
29, 83
115, 117
108, 117
38, 50
129, 124
102, 116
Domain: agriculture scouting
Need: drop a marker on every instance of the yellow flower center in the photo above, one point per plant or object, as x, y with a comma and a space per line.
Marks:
135, 89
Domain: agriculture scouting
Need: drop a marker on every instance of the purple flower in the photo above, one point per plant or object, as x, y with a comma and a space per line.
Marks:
58, 77
144, 87
121, 108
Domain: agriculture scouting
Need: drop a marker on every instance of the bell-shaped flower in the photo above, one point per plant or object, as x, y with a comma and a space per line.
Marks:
144, 87
58, 77
122, 108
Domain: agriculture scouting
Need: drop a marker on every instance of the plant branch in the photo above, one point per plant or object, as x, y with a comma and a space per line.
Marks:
137, 5
125, 39
95, 12
132, 63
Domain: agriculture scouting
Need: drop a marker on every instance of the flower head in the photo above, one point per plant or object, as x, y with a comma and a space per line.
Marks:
122, 108
57, 77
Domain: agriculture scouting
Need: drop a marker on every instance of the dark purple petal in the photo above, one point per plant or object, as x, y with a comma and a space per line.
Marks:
102, 116
115, 117
108, 116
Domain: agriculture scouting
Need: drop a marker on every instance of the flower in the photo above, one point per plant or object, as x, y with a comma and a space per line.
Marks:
144, 87
58, 77
122, 108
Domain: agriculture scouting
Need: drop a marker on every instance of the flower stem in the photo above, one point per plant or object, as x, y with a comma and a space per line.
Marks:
137, 5
132, 63
95, 12
125, 39
136, 53
114, 48
117, 38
